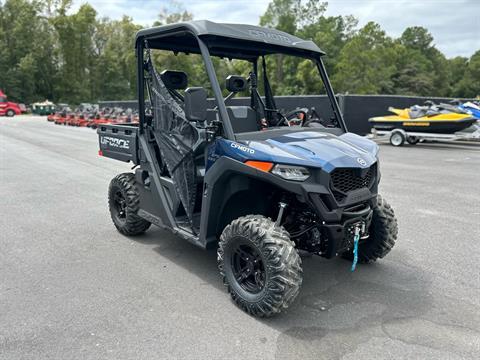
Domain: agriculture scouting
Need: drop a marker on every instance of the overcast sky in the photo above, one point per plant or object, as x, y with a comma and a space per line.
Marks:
453, 23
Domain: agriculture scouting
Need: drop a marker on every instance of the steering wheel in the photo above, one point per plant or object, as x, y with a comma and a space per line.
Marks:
296, 117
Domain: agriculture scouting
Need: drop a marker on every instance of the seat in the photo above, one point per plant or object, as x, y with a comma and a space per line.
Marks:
243, 119
174, 81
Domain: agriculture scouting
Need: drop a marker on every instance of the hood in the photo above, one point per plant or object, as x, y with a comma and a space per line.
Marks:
311, 149
13, 105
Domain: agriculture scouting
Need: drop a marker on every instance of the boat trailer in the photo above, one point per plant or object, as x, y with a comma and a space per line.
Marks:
397, 137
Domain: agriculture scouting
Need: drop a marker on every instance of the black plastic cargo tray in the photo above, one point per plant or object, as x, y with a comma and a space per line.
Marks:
118, 142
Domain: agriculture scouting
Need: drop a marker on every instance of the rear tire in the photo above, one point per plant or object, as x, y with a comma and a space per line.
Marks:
383, 234
123, 203
413, 140
260, 266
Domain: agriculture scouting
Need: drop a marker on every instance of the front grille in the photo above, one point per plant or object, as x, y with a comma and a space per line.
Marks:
344, 180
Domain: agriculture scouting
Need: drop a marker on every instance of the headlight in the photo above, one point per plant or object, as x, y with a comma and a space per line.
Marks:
289, 172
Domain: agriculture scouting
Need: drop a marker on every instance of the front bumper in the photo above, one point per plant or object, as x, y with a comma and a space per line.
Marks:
334, 215
340, 215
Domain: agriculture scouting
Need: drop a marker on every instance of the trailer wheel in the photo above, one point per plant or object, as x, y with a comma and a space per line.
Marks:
413, 140
397, 138
10, 113
260, 266
123, 201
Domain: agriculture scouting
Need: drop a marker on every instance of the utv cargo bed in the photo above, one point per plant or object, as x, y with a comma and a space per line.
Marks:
119, 142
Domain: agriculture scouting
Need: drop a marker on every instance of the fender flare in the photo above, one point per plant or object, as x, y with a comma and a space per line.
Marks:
220, 184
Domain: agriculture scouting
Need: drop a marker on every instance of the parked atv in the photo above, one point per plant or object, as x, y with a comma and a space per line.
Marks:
59, 109
257, 182
102, 117
64, 115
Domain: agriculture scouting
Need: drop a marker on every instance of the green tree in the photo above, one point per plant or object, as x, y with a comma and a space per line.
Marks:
49, 52
174, 13
366, 63
413, 71
421, 68
75, 33
469, 86
304, 19
330, 33
418, 38
458, 65
27, 71
115, 62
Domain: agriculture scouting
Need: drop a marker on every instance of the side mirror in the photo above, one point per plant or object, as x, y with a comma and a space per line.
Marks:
235, 83
196, 104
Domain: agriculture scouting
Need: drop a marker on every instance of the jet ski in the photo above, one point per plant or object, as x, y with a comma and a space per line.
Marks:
430, 118
471, 108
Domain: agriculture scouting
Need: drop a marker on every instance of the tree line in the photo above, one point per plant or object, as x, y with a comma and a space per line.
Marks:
49, 52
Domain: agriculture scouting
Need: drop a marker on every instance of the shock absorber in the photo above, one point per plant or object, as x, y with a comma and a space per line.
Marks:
280, 213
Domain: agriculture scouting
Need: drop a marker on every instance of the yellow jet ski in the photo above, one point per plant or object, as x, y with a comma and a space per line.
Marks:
431, 118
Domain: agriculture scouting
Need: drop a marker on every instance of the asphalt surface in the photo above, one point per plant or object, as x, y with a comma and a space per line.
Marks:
72, 287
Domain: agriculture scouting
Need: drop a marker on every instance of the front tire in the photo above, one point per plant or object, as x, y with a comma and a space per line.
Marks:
383, 234
397, 138
260, 266
123, 203
10, 113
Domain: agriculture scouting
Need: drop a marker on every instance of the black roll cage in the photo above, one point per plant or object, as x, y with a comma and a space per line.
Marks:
226, 50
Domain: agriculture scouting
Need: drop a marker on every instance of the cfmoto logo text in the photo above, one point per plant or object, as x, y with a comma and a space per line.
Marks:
242, 148
269, 36
361, 162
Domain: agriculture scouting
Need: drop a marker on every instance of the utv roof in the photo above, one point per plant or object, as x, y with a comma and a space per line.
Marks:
226, 40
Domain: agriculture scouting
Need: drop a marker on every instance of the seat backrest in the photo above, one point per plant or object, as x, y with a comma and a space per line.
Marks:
174, 80
243, 119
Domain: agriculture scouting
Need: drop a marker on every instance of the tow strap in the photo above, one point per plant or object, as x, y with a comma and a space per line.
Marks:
356, 238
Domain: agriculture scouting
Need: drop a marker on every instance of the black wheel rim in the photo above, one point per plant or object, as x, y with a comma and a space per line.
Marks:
248, 268
120, 205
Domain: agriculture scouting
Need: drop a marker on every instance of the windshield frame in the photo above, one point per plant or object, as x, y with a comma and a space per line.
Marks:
203, 48
317, 61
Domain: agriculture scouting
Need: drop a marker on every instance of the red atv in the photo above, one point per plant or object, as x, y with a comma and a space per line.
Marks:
64, 116
84, 116
70, 119
89, 118
104, 116
8, 108
81, 119
77, 116
127, 116
59, 109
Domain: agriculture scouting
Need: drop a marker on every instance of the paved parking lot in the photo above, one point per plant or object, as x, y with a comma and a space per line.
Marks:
71, 287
